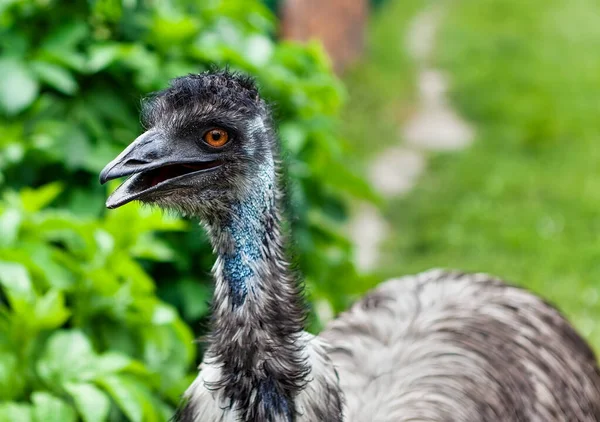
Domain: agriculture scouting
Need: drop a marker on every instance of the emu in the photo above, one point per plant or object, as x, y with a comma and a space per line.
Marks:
436, 346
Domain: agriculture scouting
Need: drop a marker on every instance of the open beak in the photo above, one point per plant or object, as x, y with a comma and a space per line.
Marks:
153, 163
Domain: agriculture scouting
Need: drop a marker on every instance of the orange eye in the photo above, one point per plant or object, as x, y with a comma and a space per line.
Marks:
216, 137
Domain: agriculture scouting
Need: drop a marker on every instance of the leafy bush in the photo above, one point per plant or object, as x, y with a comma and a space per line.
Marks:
71, 288
84, 332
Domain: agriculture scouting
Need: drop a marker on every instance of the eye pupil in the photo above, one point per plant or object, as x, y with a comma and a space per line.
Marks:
216, 137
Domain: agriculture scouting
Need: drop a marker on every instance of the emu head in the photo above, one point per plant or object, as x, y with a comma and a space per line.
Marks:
207, 138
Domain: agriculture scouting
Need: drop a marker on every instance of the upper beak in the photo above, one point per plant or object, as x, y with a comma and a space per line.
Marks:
148, 152
143, 154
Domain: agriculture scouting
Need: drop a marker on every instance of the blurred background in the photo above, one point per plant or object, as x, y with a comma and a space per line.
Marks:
416, 134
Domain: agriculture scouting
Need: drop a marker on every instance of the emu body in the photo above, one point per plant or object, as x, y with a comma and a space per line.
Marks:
438, 346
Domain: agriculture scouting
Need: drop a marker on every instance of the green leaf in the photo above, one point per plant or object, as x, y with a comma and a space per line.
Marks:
108, 104
11, 378
102, 56
169, 30
195, 297
111, 362
128, 395
10, 223
50, 262
75, 147
162, 356
165, 412
149, 247
294, 136
15, 412
83, 202
56, 76
68, 356
18, 86
66, 36
15, 278
50, 310
49, 408
339, 176
259, 49
35, 199
163, 314
92, 404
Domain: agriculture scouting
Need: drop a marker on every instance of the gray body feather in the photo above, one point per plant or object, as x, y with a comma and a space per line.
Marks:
438, 346
448, 346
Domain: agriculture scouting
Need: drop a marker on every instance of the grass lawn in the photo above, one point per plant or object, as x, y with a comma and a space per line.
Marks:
524, 202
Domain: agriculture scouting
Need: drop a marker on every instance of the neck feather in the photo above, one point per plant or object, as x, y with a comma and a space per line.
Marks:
258, 307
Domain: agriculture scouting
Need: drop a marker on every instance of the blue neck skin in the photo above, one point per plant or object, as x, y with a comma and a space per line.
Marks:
247, 229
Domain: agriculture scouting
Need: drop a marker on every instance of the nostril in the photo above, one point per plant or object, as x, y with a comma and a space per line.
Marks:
135, 162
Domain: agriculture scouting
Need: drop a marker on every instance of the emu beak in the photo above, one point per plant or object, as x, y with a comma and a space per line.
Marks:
154, 163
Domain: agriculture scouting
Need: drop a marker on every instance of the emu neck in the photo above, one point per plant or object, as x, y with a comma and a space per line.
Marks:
252, 242
258, 312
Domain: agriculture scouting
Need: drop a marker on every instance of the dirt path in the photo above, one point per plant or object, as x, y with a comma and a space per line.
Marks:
435, 126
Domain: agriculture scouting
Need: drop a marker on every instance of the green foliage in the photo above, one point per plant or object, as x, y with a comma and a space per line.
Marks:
80, 323
522, 202
85, 332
